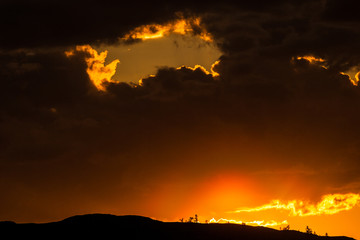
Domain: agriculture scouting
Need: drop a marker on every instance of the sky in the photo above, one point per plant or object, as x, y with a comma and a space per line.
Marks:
242, 112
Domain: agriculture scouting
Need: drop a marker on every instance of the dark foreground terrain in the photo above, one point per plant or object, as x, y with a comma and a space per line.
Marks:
104, 226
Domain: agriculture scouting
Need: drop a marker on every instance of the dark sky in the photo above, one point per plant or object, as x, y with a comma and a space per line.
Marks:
67, 148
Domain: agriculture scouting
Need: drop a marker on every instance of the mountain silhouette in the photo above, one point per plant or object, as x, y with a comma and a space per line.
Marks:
106, 219
107, 226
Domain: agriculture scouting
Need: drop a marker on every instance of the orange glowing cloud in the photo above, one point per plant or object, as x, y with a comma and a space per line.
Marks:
213, 72
197, 66
353, 73
262, 223
311, 59
98, 72
314, 60
181, 26
329, 204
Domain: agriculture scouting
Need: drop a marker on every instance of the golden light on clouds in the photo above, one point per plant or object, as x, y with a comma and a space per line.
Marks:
197, 66
353, 73
212, 69
314, 60
311, 59
329, 204
181, 26
262, 223
98, 72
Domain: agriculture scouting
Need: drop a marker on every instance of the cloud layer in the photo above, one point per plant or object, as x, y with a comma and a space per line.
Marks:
329, 204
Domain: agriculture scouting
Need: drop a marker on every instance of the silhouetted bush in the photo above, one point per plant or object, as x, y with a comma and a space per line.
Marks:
287, 228
193, 219
308, 230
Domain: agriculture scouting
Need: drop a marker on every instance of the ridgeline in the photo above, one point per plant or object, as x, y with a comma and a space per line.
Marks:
106, 226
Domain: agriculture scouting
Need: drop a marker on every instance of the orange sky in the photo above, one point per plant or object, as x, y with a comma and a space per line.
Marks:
223, 194
184, 117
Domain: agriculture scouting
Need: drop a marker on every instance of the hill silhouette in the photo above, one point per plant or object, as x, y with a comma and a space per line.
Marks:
107, 226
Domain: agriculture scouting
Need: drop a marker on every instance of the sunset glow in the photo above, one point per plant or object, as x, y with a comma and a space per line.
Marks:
240, 112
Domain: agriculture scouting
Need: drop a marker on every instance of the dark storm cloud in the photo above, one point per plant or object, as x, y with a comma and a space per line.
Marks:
62, 23
171, 84
267, 109
257, 81
295, 99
